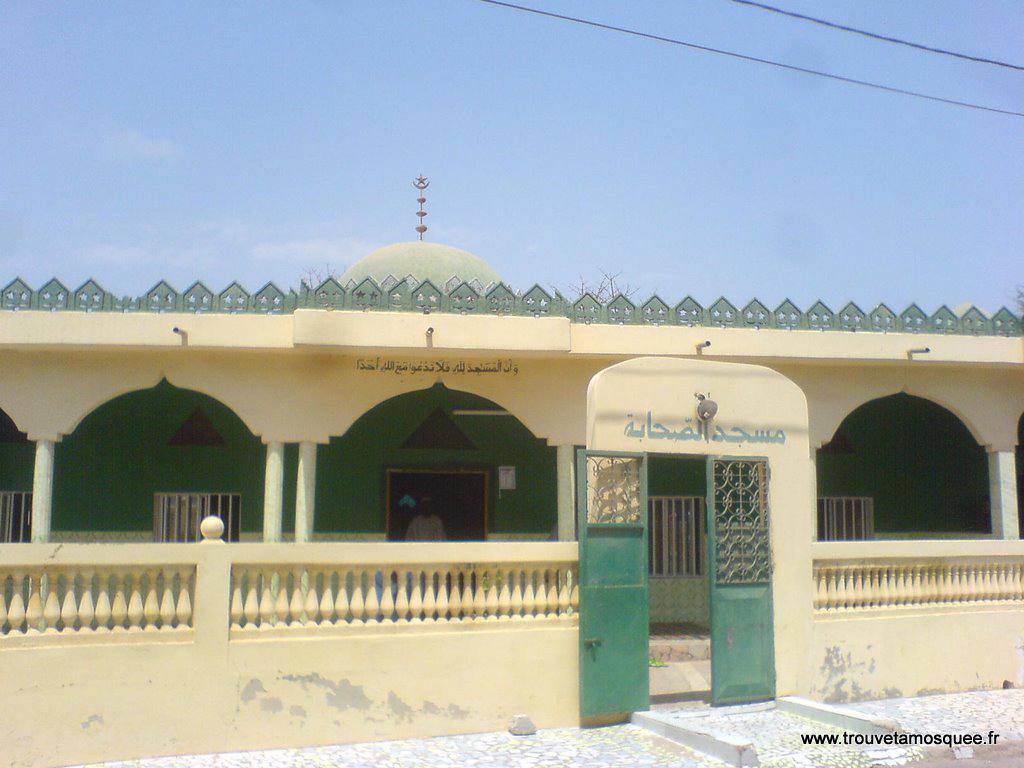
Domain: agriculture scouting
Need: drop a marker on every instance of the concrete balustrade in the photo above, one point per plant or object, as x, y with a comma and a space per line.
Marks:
366, 595
51, 603
916, 584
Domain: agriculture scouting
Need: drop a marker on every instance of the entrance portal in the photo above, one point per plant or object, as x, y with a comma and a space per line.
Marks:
457, 497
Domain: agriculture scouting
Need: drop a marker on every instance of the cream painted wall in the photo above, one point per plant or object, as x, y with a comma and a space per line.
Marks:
748, 396
73, 698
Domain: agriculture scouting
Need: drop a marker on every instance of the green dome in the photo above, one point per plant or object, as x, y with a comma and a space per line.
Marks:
423, 261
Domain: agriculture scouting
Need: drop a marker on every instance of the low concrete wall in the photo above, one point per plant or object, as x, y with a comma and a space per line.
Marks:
678, 599
909, 618
916, 655
71, 696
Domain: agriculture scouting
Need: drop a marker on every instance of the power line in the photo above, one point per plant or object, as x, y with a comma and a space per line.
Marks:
754, 59
875, 36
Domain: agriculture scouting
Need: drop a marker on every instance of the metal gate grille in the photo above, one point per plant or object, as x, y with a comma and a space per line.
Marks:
176, 516
15, 517
846, 518
742, 548
677, 540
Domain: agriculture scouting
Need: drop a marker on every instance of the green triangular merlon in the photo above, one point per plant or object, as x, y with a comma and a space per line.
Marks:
438, 432
196, 430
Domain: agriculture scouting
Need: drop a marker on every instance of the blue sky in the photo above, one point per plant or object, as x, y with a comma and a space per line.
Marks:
252, 141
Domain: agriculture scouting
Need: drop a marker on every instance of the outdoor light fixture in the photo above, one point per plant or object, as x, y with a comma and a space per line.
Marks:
918, 351
702, 346
706, 407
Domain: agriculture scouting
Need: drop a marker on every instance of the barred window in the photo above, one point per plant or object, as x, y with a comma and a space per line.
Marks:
176, 516
846, 518
677, 535
15, 517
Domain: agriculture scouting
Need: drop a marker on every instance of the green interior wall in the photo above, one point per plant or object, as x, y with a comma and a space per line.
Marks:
107, 470
351, 469
917, 460
676, 476
17, 457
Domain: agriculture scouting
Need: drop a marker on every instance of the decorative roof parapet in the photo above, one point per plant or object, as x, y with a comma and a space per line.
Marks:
460, 297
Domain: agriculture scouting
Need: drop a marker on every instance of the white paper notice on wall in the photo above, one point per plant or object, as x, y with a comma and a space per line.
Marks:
506, 478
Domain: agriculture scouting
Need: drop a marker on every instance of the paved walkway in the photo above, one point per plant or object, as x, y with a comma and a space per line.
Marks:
775, 734
621, 746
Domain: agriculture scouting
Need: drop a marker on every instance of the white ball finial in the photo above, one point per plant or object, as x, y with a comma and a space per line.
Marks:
212, 529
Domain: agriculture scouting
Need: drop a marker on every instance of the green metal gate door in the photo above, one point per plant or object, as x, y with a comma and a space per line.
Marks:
740, 567
611, 504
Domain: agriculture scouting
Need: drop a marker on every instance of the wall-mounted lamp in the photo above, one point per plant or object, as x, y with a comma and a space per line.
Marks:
182, 333
918, 351
430, 336
702, 346
706, 407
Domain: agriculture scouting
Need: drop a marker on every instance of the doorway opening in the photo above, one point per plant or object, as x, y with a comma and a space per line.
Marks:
680, 622
457, 497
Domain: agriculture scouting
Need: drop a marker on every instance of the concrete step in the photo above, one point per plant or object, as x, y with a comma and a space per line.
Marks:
670, 649
681, 679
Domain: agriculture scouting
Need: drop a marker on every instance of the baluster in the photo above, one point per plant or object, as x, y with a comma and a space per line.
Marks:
988, 583
416, 598
841, 580
51, 606
327, 599
119, 609
563, 593
1017, 585
251, 606
916, 597
268, 614
297, 602
151, 608
973, 587
401, 586
341, 602
1003, 585
443, 580
103, 611
479, 595
956, 584
34, 609
901, 589
358, 604
86, 606
16, 608
455, 598
852, 587
136, 612
312, 605
948, 589
504, 595
167, 600
517, 594
279, 583
183, 611
574, 602
388, 582
529, 596
371, 604
468, 601
237, 603
3, 603
429, 597
819, 589
492, 595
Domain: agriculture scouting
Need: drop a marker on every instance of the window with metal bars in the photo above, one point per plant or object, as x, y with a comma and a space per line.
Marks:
846, 518
176, 516
15, 517
677, 537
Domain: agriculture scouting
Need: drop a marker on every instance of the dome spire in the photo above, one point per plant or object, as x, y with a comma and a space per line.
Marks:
421, 183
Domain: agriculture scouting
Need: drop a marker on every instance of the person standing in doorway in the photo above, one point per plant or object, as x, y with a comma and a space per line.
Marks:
426, 526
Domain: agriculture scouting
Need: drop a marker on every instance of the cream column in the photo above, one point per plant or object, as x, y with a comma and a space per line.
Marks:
273, 492
566, 470
305, 493
1002, 490
42, 491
